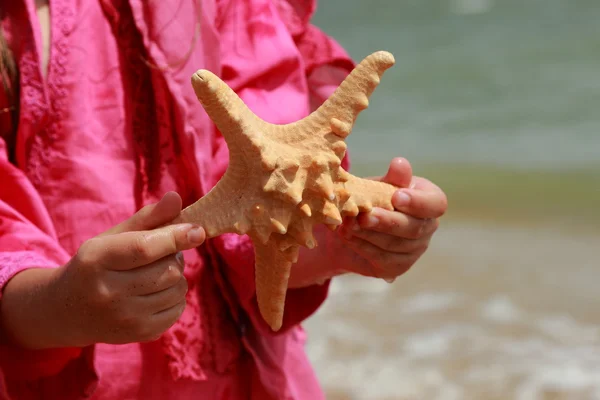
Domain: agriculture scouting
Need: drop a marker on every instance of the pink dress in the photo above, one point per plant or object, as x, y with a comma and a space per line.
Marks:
113, 126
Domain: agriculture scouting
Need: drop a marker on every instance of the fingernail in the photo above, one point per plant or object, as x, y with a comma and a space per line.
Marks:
164, 196
371, 221
179, 258
401, 199
195, 235
184, 228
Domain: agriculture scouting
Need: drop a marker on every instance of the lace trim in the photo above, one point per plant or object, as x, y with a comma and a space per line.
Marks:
47, 116
14, 262
183, 343
203, 339
32, 97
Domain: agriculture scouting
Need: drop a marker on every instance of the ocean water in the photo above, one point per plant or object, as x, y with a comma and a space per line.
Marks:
489, 313
511, 83
505, 304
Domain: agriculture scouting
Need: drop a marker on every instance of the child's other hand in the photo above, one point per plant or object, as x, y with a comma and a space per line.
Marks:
387, 243
382, 244
127, 285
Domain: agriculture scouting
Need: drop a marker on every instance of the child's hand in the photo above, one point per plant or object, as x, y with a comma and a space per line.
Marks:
382, 244
388, 243
127, 285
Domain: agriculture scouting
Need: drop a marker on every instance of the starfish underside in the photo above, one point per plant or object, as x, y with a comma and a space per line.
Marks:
282, 180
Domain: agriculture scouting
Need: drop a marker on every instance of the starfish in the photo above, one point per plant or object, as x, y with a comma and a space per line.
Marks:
282, 180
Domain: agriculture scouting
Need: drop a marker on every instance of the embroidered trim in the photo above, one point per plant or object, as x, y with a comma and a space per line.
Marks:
45, 117
14, 262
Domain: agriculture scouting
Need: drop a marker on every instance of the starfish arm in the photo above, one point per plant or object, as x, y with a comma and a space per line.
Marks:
366, 194
282, 179
220, 210
272, 272
225, 108
341, 109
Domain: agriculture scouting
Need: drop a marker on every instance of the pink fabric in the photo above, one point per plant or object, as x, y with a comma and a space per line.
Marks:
115, 125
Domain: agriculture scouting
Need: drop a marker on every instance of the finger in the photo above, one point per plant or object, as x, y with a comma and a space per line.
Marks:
163, 320
160, 301
151, 278
391, 243
395, 223
150, 216
134, 249
421, 183
420, 203
399, 173
385, 264
128, 250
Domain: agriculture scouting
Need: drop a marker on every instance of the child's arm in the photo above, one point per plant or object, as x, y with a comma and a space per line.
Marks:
52, 305
27, 240
122, 286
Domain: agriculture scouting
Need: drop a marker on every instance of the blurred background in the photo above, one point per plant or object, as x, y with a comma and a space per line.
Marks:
496, 101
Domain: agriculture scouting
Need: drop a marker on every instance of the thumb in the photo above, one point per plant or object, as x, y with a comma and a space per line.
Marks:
151, 216
399, 173
424, 200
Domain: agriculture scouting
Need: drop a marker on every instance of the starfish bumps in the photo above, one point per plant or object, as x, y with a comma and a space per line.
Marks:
282, 180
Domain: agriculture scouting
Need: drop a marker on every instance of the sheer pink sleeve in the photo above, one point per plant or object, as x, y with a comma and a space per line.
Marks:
27, 240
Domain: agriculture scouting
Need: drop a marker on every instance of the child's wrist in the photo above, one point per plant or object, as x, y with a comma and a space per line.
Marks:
318, 265
29, 313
